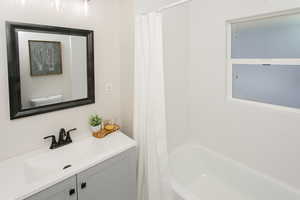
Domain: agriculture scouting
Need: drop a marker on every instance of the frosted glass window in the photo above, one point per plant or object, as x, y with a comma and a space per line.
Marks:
273, 37
274, 84
264, 60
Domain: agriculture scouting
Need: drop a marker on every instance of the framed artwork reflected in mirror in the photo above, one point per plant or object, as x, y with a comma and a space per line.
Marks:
45, 57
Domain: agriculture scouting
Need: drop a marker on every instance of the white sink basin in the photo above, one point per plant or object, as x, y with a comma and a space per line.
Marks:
61, 159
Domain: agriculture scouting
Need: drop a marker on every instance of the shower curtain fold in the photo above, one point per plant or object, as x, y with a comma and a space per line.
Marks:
149, 116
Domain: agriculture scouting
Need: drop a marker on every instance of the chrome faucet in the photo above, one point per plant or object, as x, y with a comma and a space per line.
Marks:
64, 138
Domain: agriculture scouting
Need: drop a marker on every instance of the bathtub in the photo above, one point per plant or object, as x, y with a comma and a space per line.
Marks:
200, 174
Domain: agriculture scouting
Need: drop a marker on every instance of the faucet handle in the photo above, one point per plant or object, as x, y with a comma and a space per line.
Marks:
53, 142
73, 129
68, 137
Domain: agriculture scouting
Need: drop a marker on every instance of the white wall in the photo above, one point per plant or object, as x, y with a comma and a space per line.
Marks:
176, 62
262, 137
127, 64
22, 135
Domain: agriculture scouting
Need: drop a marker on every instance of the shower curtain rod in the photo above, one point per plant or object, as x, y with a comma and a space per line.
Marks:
172, 5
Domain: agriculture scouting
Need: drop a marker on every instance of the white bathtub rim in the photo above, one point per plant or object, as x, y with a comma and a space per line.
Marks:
267, 178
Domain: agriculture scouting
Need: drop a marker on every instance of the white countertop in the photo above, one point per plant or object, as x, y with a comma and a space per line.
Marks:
18, 183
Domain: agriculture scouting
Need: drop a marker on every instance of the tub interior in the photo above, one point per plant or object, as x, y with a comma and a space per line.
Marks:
201, 174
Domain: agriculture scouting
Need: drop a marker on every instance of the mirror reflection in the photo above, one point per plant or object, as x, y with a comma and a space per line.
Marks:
53, 68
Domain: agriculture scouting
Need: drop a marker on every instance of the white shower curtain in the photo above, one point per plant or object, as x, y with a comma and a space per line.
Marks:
150, 118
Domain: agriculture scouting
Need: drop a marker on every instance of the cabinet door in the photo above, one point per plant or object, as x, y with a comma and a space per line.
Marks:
114, 179
65, 190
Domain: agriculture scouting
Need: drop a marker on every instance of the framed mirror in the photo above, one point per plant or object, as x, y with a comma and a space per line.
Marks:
49, 68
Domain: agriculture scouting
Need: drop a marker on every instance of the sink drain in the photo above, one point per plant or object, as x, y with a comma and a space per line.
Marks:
67, 166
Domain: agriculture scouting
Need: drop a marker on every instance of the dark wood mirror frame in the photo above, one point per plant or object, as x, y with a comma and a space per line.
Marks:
16, 110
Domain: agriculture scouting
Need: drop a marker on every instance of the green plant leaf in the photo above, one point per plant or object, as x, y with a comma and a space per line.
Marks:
95, 120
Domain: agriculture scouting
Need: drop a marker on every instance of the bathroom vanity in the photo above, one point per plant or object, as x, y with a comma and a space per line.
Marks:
88, 169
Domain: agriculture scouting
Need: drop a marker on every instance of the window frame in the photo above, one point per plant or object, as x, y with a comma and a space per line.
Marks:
273, 61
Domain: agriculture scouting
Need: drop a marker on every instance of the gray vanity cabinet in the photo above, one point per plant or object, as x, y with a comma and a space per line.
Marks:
65, 190
115, 179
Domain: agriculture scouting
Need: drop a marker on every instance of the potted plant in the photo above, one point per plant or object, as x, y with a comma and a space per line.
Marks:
95, 123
